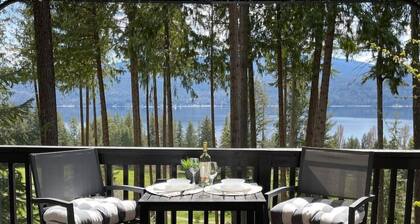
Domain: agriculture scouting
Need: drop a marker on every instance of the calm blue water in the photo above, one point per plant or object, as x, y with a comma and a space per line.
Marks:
356, 120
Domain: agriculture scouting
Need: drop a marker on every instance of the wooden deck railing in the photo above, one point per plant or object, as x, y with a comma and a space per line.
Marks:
262, 165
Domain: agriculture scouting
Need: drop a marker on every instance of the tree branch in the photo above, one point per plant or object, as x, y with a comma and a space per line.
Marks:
6, 3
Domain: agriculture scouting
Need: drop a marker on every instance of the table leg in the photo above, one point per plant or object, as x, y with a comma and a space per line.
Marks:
190, 217
259, 215
250, 217
160, 219
222, 217
238, 216
173, 217
144, 215
206, 217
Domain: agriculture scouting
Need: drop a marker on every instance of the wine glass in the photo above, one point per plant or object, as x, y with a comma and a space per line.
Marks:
194, 168
213, 172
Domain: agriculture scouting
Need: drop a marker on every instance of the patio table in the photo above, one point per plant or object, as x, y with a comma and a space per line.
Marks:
253, 204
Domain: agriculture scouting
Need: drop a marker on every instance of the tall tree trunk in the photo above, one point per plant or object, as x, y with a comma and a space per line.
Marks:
294, 116
164, 116
379, 96
147, 111
313, 101
280, 87
87, 116
82, 119
36, 91
135, 98
170, 130
99, 72
212, 89
170, 114
156, 120
379, 105
45, 72
235, 77
285, 100
281, 98
244, 33
321, 119
380, 124
95, 122
416, 102
156, 111
251, 95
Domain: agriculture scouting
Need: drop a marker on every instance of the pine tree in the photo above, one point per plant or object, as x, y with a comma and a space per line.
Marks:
321, 118
261, 119
225, 138
179, 135
205, 132
383, 30
191, 136
131, 11
213, 68
352, 143
74, 132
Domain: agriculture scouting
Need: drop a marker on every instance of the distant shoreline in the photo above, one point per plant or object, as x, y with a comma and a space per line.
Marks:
227, 106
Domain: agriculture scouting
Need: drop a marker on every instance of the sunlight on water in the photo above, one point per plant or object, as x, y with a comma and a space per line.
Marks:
356, 120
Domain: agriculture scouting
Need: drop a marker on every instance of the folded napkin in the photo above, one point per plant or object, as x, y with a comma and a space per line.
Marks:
161, 192
180, 193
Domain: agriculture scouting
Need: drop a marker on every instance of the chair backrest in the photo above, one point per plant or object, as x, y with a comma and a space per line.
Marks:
339, 173
67, 175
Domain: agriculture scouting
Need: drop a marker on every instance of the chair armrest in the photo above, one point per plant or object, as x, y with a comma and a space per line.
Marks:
362, 201
52, 201
271, 194
139, 190
279, 190
358, 204
55, 201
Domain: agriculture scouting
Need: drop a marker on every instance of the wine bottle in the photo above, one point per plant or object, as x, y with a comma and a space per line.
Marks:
205, 160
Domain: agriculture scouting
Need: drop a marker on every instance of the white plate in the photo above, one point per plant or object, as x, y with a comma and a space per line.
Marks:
233, 181
215, 189
165, 187
161, 189
237, 187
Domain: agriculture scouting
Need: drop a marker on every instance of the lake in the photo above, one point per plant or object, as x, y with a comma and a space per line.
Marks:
356, 120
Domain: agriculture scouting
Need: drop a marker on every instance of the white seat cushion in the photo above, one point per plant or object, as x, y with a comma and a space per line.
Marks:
126, 208
95, 210
108, 210
313, 211
283, 212
340, 215
310, 210
58, 214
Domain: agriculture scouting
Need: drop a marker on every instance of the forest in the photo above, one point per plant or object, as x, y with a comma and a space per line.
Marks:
62, 46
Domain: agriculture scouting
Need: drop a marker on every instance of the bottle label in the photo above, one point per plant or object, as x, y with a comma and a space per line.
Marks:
204, 173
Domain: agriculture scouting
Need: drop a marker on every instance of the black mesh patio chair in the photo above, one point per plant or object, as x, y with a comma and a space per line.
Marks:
333, 187
70, 189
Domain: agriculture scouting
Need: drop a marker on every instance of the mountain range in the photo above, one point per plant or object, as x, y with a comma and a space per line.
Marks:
346, 89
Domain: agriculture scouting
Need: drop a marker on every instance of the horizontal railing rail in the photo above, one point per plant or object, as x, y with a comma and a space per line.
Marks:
267, 167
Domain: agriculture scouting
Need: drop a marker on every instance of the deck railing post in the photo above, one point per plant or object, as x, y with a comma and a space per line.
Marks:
12, 193
28, 192
373, 218
409, 196
264, 172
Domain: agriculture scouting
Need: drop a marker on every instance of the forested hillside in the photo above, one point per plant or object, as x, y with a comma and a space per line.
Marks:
346, 89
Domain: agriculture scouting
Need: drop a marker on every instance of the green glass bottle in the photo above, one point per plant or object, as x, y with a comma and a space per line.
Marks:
205, 160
